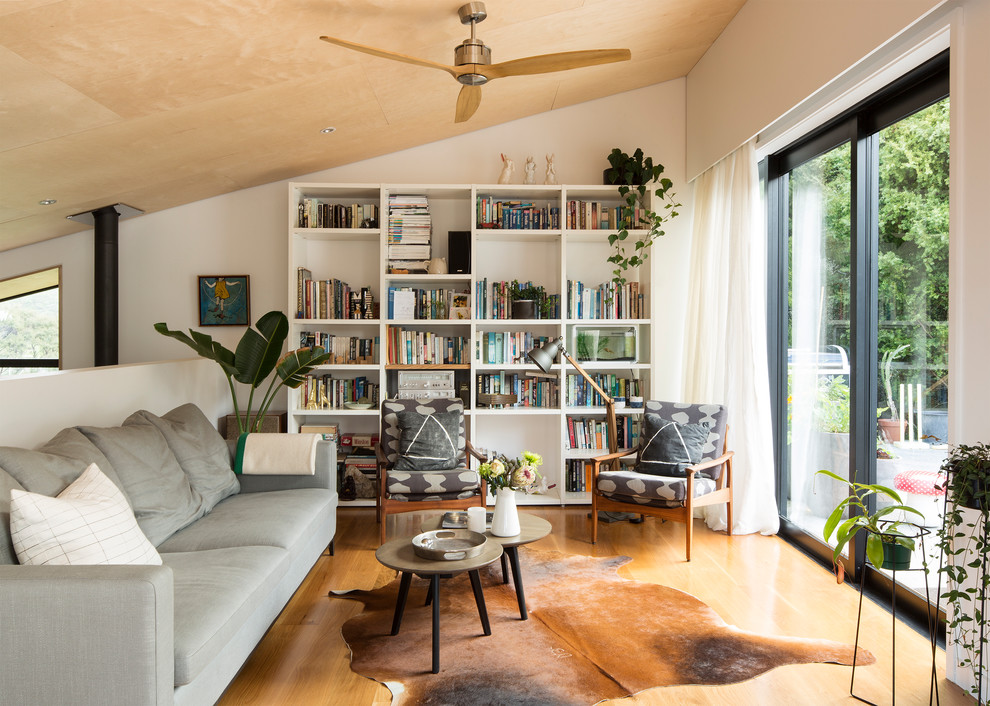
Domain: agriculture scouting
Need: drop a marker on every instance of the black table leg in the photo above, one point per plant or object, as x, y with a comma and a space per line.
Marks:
400, 601
505, 569
435, 591
513, 553
479, 599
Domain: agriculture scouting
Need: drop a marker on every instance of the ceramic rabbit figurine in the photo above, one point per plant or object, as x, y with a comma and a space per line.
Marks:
551, 173
508, 166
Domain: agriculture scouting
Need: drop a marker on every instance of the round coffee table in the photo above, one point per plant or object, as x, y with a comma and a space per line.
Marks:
400, 555
531, 529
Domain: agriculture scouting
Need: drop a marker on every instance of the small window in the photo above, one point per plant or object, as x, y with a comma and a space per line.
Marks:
30, 323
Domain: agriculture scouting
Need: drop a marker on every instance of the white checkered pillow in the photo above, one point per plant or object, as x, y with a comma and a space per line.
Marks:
89, 522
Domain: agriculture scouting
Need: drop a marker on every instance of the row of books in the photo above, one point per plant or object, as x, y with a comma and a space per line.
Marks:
516, 215
576, 475
579, 393
314, 213
347, 350
500, 347
591, 433
593, 215
415, 303
531, 390
331, 299
410, 231
327, 392
606, 301
407, 347
493, 301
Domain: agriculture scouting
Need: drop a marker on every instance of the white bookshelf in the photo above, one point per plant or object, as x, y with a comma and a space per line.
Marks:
548, 257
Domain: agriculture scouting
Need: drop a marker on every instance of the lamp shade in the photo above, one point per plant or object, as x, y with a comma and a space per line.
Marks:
544, 356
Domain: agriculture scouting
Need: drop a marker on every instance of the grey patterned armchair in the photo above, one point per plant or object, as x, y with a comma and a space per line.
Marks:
681, 463
423, 459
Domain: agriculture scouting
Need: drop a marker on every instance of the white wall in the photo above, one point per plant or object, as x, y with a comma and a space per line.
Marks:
777, 53
245, 232
35, 408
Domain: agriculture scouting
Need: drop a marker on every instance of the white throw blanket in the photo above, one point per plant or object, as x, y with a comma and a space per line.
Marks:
277, 454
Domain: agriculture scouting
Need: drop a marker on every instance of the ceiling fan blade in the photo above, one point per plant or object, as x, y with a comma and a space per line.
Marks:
468, 101
395, 56
548, 63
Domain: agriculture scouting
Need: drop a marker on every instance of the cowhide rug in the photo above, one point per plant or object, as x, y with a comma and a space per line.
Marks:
591, 635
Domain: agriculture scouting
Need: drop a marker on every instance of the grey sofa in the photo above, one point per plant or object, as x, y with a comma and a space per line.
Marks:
234, 550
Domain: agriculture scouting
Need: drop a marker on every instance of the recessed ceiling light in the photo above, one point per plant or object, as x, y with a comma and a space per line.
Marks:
328, 130
46, 202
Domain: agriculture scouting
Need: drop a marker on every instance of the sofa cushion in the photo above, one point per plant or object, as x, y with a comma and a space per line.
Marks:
216, 592
163, 500
89, 522
7, 483
200, 450
275, 518
428, 442
668, 447
56, 463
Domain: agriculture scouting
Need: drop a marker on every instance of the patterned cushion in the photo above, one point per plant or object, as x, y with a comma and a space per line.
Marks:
668, 447
428, 441
643, 488
89, 522
420, 497
391, 434
713, 414
432, 482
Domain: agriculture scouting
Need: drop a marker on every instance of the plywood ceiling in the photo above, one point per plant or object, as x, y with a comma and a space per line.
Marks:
162, 102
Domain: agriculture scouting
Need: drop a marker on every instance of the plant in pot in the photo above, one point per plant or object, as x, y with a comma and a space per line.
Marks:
963, 542
891, 427
633, 176
258, 353
887, 545
529, 301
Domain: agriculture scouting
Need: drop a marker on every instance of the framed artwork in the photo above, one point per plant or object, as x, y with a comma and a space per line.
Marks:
224, 300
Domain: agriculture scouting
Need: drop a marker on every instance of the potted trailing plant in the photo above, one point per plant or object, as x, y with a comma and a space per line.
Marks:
529, 301
887, 546
633, 176
963, 541
258, 353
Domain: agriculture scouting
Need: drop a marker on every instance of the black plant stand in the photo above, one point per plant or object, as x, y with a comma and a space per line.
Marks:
920, 534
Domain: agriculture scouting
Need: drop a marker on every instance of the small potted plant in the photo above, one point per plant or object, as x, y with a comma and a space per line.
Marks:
633, 175
963, 542
529, 301
887, 545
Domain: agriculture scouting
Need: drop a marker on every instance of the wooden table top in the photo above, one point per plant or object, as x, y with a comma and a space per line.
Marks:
531, 529
400, 555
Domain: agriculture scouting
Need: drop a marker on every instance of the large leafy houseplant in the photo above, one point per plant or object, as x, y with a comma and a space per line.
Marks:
963, 541
881, 528
258, 353
633, 176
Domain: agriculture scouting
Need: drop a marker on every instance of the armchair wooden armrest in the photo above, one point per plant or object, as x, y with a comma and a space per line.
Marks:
471, 451
710, 463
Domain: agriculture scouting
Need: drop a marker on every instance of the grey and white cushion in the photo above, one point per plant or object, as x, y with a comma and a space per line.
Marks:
645, 489
434, 483
391, 433
669, 447
89, 522
714, 415
428, 441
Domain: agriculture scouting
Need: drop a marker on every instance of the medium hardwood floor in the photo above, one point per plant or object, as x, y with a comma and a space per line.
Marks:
753, 582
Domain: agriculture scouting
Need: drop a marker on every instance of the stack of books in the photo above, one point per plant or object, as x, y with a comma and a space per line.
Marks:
409, 231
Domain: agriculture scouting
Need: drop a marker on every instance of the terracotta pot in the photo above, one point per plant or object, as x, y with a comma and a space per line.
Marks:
892, 429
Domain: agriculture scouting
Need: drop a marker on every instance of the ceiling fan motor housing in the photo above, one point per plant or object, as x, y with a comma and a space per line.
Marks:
472, 51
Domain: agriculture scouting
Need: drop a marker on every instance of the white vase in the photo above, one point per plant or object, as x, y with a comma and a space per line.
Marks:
505, 521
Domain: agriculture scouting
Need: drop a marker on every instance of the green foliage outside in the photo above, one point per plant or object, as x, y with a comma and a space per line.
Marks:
913, 258
29, 329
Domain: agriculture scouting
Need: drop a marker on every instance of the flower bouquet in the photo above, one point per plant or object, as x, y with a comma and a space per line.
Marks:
521, 474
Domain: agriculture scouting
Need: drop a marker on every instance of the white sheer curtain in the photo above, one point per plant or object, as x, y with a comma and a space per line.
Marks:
726, 339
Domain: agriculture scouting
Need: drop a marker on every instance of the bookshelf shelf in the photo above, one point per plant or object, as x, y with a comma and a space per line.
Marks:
554, 257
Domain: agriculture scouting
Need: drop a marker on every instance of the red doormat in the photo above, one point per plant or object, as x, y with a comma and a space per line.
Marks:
591, 635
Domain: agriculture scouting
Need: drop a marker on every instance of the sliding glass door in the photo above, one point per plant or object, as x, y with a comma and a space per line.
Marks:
858, 219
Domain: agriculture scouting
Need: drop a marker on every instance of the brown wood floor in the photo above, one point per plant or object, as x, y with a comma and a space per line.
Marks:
755, 583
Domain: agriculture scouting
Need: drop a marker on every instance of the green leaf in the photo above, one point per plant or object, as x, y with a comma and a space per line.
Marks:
259, 349
204, 346
295, 365
874, 549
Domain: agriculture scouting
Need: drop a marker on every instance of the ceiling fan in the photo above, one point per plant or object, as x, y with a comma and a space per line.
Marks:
473, 65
